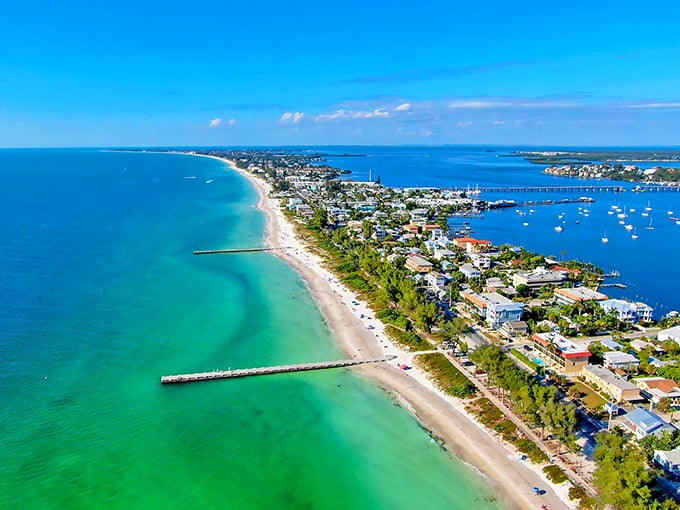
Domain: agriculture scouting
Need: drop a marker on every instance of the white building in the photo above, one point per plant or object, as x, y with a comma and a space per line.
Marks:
494, 308
481, 260
616, 359
628, 311
470, 271
670, 334
577, 295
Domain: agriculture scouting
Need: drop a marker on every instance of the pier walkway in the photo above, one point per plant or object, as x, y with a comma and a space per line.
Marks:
238, 250
279, 369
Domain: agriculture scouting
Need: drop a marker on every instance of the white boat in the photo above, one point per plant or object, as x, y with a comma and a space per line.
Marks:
629, 227
559, 228
650, 226
605, 239
649, 207
622, 214
610, 212
631, 209
525, 224
634, 234
645, 214
622, 222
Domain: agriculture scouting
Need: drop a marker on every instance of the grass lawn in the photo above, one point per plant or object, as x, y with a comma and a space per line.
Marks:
591, 399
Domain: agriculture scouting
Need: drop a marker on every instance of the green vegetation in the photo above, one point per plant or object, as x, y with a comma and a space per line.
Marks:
447, 377
590, 398
492, 417
408, 339
539, 405
555, 474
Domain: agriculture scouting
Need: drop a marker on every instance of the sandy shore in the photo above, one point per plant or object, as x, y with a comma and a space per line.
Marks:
445, 416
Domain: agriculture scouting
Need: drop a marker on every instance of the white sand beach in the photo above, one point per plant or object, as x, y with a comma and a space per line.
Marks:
445, 416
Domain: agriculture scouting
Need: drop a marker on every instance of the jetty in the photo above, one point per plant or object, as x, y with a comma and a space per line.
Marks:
277, 369
237, 250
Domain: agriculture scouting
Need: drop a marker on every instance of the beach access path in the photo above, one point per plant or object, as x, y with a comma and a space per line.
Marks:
348, 319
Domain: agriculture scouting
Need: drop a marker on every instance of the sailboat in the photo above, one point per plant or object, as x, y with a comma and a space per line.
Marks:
634, 234
649, 207
650, 226
605, 239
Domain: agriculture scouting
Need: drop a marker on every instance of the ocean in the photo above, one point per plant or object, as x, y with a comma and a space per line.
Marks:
647, 264
100, 295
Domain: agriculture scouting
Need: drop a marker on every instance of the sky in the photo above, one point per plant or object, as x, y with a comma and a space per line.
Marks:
218, 72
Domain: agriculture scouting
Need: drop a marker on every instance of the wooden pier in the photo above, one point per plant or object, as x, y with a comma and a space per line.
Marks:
572, 189
237, 250
279, 369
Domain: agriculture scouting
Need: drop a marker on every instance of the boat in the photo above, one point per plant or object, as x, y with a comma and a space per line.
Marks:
622, 222
645, 214
649, 207
650, 226
670, 211
631, 209
622, 214
629, 227
605, 239
525, 224
559, 228
634, 234
610, 212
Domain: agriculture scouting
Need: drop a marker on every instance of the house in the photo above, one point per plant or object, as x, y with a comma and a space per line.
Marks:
669, 334
560, 352
417, 264
470, 271
611, 344
577, 295
628, 311
616, 359
513, 329
643, 423
481, 261
538, 278
658, 388
606, 381
472, 245
641, 345
442, 253
669, 461
493, 308
411, 229
435, 279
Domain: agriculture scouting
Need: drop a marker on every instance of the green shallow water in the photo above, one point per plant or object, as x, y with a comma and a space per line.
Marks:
118, 300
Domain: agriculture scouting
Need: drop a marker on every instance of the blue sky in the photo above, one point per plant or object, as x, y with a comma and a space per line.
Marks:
76, 73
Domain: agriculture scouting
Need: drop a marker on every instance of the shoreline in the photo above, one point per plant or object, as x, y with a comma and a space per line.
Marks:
443, 416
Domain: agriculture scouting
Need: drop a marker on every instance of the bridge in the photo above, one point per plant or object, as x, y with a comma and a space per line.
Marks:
618, 188
278, 369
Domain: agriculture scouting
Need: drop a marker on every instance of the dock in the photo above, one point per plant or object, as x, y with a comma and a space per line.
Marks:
278, 369
237, 250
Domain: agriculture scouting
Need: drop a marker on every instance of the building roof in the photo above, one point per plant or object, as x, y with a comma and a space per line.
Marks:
581, 294
659, 383
645, 420
567, 348
470, 240
610, 378
673, 332
673, 456
489, 299
617, 357
608, 342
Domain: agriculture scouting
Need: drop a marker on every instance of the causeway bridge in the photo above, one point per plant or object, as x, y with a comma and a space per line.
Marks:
618, 188
278, 369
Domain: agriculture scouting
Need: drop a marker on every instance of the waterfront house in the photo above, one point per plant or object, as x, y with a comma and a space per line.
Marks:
643, 423
616, 359
611, 344
493, 308
656, 389
669, 461
472, 245
670, 334
482, 261
608, 382
641, 345
538, 278
628, 311
577, 295
417, 264
563, 354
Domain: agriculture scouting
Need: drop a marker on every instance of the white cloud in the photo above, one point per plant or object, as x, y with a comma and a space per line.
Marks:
352, 114
292, 117
403, 107
464, 123
232, 122
428, 133
498, 122
653, 105
215, 122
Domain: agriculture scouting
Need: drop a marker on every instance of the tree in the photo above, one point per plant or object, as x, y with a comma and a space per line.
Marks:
665, 406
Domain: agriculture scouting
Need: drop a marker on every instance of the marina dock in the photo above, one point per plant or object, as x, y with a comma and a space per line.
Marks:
278, 369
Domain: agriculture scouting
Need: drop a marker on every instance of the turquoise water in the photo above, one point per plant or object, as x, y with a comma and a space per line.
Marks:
100, 296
